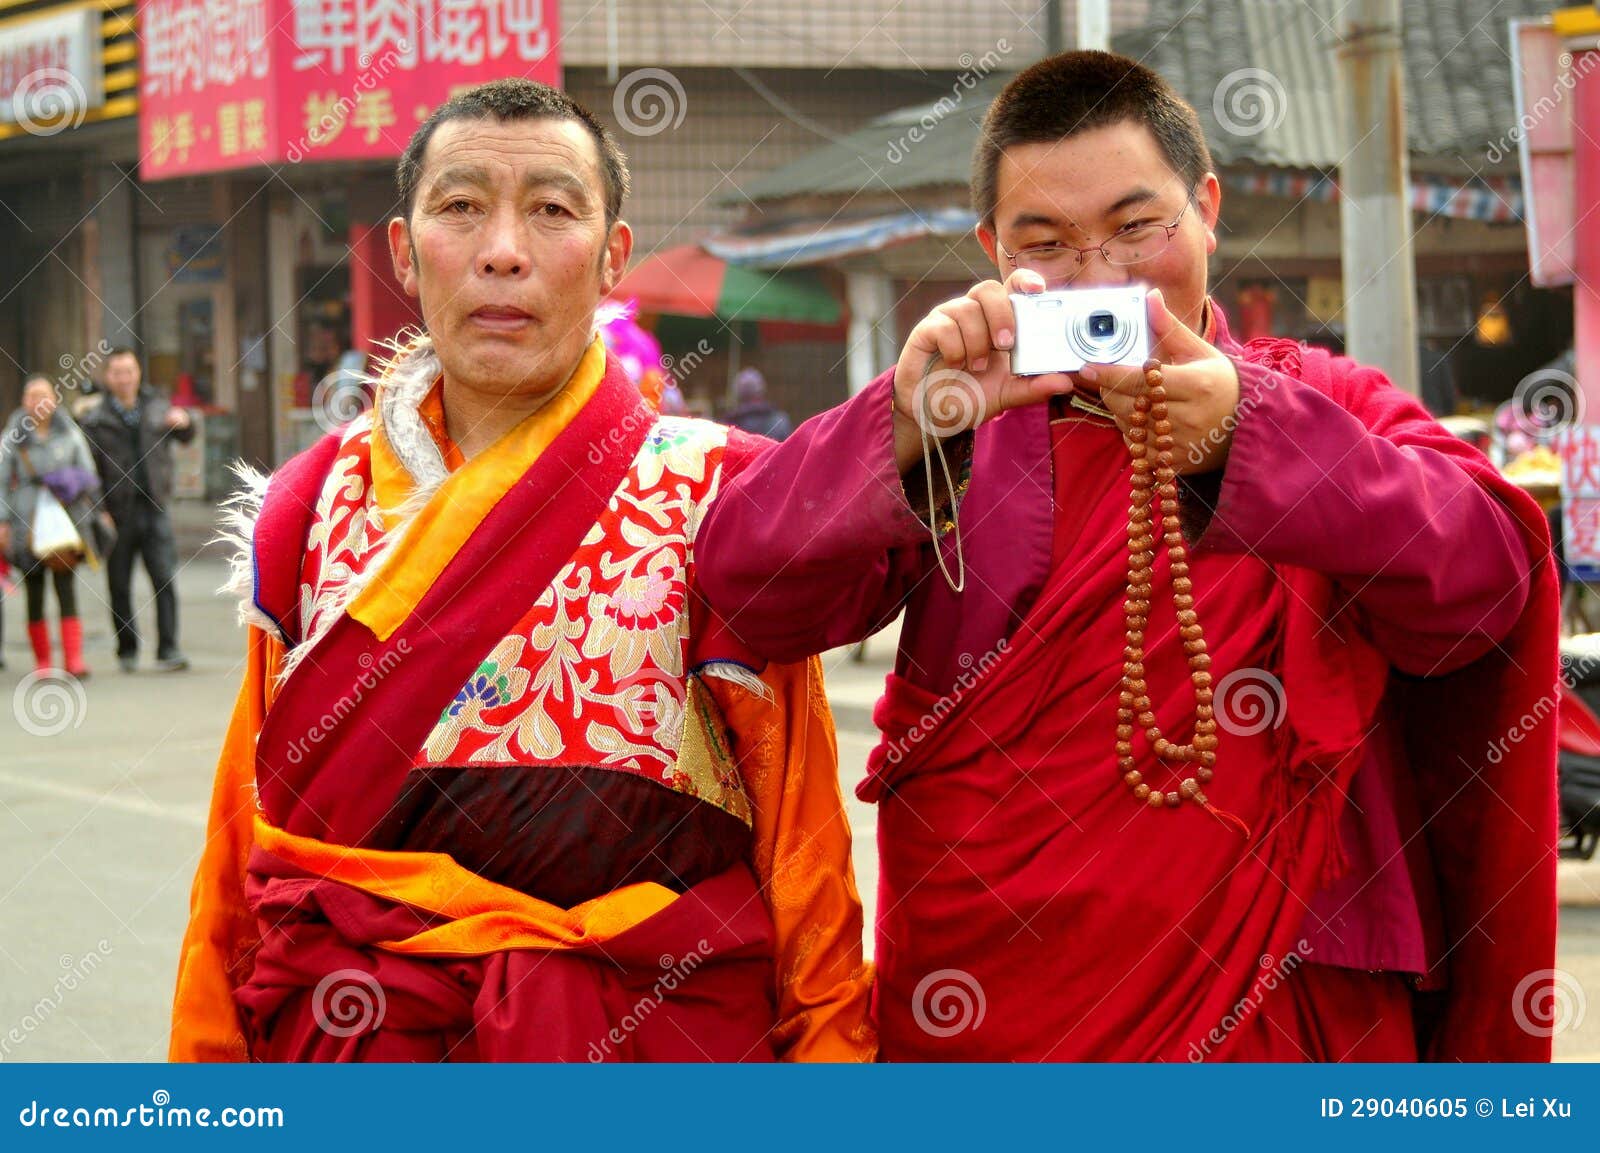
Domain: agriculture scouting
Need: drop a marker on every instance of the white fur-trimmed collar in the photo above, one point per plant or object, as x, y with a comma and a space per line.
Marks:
400, 386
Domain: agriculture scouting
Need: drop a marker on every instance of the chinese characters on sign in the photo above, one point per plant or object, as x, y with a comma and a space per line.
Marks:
1579, 446
247, 82
50, 67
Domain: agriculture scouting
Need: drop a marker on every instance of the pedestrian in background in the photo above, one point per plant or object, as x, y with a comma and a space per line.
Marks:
753, 412
46, 458
131, 429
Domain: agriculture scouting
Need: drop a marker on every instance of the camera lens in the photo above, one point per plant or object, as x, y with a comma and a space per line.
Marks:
1099, 336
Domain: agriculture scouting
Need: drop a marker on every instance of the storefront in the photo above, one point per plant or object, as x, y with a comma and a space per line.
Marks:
66, 108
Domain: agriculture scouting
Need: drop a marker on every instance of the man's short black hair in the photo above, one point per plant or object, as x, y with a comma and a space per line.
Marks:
509, 99
1075, 92
121, 350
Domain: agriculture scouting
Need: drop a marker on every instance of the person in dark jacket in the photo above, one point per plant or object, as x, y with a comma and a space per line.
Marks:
131, 429
754, 412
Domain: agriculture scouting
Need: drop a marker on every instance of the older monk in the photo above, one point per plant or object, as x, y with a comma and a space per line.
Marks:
496, 787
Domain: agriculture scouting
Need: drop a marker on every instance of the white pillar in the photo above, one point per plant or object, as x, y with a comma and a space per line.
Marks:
871, 342
1380, 288
1094, 25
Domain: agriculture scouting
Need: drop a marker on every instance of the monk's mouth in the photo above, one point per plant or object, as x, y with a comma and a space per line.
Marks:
499, 319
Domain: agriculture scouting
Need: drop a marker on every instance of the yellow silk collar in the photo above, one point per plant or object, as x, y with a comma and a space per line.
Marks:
453, 513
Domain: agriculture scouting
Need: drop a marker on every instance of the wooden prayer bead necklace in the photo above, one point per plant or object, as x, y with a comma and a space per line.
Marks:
1154, 480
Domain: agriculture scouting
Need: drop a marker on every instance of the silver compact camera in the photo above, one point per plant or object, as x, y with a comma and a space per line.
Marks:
1063, 331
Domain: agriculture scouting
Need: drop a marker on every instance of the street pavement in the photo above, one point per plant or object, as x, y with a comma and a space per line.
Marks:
103, 797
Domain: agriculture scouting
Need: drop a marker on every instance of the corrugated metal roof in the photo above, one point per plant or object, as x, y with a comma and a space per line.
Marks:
909, 148
1262, 75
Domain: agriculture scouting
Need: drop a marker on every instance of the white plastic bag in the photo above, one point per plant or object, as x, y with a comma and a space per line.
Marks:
54, 537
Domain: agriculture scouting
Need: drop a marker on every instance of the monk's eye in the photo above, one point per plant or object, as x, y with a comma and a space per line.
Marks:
552, 210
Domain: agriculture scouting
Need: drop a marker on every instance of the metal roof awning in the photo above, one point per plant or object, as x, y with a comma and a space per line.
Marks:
812, 241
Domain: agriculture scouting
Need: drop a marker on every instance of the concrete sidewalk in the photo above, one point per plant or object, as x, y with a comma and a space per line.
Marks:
1578, 883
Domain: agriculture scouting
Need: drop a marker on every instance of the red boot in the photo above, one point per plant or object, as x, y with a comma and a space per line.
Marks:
39, 637
72, 647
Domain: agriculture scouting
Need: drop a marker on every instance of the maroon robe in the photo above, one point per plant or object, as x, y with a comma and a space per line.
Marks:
1420, 627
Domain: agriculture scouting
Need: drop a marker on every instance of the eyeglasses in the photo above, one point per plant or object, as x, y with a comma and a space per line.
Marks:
1130, 246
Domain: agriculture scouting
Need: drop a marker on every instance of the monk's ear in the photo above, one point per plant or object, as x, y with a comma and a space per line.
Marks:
1208, 202
403, 254
990, 242
614, 260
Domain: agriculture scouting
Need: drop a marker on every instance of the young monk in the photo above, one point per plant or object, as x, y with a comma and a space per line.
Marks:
1261, 769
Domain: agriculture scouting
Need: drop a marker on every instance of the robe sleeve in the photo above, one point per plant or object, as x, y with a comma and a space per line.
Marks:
814, 543
1433, 560
789, 763
221, 935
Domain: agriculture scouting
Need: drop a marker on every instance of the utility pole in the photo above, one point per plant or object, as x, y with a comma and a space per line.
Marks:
1094, 24
1380, 288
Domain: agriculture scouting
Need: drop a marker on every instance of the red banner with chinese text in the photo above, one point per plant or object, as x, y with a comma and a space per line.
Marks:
1579, 448
237, 83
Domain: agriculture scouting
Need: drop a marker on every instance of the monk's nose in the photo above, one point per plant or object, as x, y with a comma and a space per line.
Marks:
1097, 272
505, 250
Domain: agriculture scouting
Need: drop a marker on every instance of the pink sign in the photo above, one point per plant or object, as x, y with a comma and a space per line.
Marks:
1541, 75
237, 83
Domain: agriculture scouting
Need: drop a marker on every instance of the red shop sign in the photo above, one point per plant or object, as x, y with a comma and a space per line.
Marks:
236, 83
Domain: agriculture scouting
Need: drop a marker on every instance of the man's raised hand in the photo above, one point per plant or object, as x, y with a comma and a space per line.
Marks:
968, 341
1202, 390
